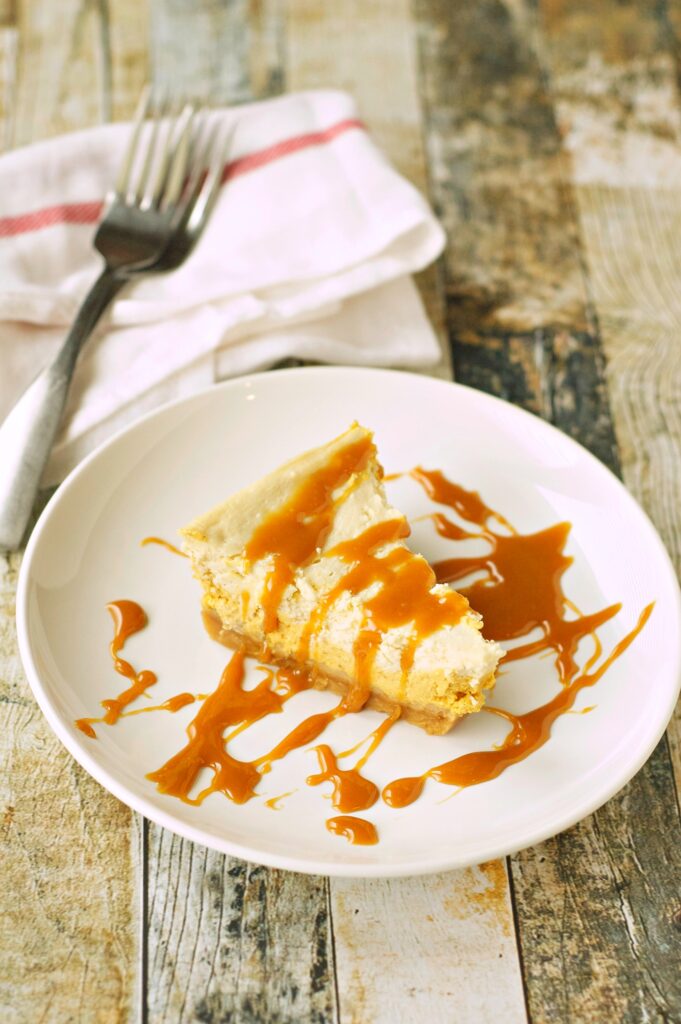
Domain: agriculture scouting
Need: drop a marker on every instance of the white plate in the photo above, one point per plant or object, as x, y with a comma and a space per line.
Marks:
181, 460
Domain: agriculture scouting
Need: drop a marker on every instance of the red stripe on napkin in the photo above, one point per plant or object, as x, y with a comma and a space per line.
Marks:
65, 213
251, 162
90, 212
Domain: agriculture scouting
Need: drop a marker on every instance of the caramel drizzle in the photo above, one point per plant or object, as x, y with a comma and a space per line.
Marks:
292, 535
522, 588
406, 580
295, 534
164, 544
274, 803
172, 704
522, 591
307, 732
356, 830
375, 739
529, 732
229, 705
351, 791
128, 618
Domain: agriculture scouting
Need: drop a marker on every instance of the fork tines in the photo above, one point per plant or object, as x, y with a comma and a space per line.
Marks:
174, 161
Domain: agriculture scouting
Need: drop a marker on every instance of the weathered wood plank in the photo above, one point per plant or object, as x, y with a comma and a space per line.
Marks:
597, 910
233, 941
9, 43
594, 905
202, 49
124, 30
70, 937
438, 948
228, 940
68, 854
626, 156
370, 50
361, 47
59, 83
629, 202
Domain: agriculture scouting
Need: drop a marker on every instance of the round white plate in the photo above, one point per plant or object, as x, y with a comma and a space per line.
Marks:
181, 460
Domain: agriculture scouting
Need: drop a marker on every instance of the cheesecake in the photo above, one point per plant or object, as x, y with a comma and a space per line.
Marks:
309, 567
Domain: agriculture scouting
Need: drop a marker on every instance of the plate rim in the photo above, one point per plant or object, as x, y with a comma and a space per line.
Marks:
344, 868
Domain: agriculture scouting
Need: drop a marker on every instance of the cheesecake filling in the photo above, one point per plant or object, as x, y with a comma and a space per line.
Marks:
322, 577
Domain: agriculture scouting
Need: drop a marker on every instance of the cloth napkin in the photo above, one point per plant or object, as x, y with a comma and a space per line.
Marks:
308, 253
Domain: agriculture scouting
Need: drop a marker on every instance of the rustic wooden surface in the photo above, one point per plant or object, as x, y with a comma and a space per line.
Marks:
548, 136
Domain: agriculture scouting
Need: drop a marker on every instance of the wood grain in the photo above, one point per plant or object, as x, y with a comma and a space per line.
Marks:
362, 47
228, 940
68, 854
593, 906
629, 202
124, 32
69, 945
202, 49
60, 76
440, 948
233, 941
549, 136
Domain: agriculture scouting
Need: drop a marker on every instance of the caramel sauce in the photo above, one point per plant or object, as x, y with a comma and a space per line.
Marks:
173, 704
529, 732
351, 791
468, 504
295, 534
164, 544
521, 592
375, 738
522, 588
307, 732
128, 618
404, 598
356, 830
274, 802
292, 534
85, 725
229, 705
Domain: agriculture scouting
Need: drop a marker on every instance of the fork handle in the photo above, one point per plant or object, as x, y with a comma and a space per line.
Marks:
28, 433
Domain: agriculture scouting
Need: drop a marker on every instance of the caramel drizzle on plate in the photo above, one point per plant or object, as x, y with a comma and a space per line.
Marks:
275, 802
521, 591
164, 544
529, 732
229, 705
356, 830
173, 704
351, 791
128, 618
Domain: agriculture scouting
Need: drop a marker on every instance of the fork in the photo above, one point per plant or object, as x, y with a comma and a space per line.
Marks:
162, 199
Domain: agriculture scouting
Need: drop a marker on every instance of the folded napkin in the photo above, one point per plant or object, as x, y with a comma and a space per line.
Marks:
308, 253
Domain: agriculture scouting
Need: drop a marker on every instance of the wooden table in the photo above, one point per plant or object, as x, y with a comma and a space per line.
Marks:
548, 137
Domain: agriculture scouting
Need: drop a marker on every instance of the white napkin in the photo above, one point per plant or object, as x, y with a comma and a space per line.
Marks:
308, 253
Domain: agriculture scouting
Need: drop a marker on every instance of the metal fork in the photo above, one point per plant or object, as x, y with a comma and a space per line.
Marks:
166, 189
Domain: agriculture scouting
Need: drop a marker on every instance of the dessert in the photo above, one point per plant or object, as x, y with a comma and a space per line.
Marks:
308, 566
366, 558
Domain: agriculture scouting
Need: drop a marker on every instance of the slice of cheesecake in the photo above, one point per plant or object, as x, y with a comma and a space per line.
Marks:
309, 566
